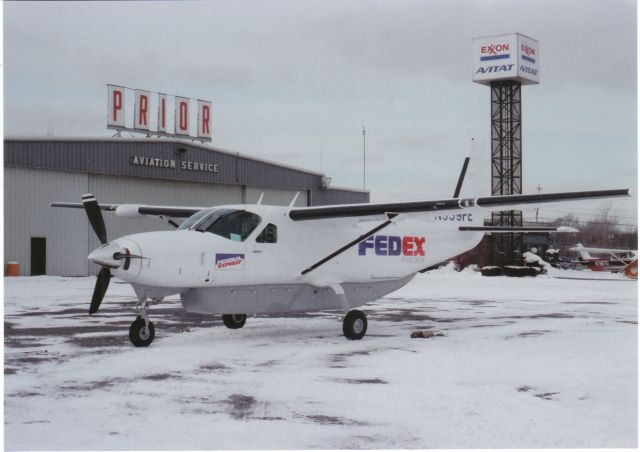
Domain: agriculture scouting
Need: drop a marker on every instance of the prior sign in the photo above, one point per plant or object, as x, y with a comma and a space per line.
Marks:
506, 57
151, 113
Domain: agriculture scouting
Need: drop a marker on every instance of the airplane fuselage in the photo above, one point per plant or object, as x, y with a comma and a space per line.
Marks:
210, 268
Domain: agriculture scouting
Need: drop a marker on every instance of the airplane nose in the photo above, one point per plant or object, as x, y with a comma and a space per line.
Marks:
106, 255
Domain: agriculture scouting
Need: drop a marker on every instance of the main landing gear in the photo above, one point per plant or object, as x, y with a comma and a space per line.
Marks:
354, 325
142, 331
234, 321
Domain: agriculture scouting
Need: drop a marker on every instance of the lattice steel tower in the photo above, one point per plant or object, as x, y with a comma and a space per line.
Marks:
505, 63
506, 166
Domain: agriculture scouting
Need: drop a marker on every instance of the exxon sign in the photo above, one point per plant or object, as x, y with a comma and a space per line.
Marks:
505, 57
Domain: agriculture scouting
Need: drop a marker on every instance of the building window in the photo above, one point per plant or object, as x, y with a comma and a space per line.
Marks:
269, 234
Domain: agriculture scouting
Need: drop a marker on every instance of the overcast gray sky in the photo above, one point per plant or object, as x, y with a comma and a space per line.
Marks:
294, 81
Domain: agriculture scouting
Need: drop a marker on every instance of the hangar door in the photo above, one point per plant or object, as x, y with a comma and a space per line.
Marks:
38, 256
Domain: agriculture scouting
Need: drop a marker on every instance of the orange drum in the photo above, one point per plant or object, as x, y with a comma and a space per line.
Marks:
13, 269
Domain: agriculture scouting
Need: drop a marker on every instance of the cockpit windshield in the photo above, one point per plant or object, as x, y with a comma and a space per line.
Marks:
193, 219
232, 224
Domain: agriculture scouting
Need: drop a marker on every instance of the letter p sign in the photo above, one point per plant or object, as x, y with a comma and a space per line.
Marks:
115, 105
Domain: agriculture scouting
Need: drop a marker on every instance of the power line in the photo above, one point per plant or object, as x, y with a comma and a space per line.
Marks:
587, 222
579, 212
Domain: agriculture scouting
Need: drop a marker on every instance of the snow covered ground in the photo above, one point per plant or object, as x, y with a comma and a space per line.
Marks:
523, 362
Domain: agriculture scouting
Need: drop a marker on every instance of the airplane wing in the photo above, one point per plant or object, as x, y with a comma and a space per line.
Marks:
495, 203
602, 250
138, 210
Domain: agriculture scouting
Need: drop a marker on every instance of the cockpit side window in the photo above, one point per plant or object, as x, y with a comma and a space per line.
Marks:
236, 225
269, 234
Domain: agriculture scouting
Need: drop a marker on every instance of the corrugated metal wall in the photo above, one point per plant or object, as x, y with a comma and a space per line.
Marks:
27, 194
114, 156
330, 196
41, 171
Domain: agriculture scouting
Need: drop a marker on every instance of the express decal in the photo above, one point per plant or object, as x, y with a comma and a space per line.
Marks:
229, 261
393, 245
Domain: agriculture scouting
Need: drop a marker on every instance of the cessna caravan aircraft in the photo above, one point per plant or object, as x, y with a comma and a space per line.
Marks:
257, 259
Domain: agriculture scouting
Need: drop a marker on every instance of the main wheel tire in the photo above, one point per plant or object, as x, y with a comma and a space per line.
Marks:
139, 334
234, 321
354, 325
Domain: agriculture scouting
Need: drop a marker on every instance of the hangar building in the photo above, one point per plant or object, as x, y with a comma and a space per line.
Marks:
56, 241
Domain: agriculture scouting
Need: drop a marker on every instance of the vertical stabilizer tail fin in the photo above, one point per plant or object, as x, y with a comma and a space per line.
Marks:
463, 172
584, 254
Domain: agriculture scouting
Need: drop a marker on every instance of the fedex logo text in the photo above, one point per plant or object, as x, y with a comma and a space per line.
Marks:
393, 245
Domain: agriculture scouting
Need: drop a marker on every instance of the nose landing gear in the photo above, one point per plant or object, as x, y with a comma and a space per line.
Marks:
142, 332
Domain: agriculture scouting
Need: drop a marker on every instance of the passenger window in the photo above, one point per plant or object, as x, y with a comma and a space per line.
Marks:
269, 234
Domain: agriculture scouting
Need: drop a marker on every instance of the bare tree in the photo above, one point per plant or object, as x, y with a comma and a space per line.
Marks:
603, 231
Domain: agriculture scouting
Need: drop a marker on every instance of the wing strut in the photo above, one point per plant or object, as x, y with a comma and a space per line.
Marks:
366, 235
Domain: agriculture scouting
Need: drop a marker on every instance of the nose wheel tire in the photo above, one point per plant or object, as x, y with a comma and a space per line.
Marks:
141, 335
234, 321
354, 325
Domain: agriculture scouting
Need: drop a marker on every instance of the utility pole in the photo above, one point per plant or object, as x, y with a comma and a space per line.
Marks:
538, 189
364, 159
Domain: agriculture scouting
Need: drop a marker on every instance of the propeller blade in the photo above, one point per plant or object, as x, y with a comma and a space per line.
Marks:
92, 209
101, 288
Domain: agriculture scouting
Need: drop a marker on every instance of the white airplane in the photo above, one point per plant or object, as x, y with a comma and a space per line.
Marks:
257, 259
612, 258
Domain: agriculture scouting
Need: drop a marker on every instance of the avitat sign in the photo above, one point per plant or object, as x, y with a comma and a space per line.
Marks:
138, 110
